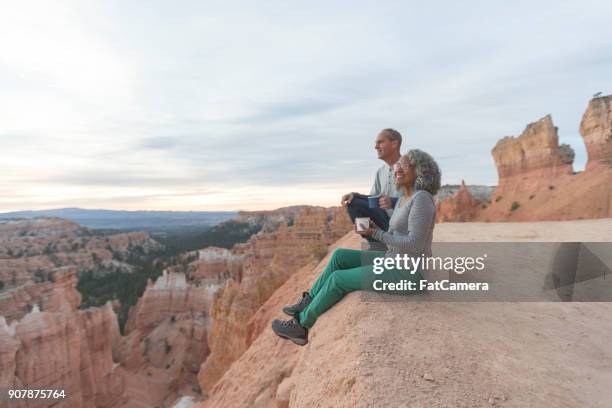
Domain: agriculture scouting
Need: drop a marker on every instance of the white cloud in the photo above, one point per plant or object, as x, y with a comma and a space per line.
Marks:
143, 105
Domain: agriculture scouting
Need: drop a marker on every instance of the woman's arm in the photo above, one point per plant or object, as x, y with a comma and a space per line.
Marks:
420, 218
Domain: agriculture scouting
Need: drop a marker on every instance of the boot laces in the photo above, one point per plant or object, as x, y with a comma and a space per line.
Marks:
304, 300
288, 323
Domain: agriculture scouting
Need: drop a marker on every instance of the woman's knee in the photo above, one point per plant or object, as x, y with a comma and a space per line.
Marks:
339, 253
345, 281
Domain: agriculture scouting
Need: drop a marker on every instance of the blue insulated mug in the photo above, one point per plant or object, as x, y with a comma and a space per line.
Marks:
373, 201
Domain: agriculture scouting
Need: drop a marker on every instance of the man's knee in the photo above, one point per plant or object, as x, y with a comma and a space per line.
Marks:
354, 209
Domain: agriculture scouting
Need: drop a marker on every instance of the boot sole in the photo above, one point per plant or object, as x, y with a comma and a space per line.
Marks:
299, 342
288, 313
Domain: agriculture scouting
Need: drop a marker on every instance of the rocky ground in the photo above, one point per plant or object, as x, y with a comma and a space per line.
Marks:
368, 353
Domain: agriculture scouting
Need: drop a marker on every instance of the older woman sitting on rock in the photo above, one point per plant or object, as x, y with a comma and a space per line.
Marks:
410, 233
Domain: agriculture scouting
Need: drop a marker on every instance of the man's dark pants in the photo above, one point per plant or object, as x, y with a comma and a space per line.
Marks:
358, 207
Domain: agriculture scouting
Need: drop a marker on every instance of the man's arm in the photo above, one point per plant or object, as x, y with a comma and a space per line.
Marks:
375, 190
376, 187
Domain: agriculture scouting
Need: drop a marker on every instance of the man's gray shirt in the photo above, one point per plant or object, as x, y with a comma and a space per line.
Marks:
384, 183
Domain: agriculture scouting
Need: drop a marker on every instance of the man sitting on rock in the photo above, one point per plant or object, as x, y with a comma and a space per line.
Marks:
388, 143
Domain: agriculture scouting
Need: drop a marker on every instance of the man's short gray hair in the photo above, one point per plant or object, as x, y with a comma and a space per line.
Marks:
427, 171
393, 134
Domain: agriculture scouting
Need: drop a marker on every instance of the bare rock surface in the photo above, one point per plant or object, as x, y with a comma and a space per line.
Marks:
367, 352
531, 160
63, 350
269, 259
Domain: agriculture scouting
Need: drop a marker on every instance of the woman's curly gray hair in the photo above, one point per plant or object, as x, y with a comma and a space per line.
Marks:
427, 171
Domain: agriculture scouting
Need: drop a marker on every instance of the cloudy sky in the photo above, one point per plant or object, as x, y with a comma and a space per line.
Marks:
250, 105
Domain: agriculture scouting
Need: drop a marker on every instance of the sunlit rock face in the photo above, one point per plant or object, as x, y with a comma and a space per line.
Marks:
59, 294
364, 343
531, 161
460, 207
536, 177
217, 264
596, 131
269, 259
167, 332
169, 295
63, 350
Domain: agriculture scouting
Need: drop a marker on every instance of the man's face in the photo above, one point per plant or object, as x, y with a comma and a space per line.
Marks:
384, 146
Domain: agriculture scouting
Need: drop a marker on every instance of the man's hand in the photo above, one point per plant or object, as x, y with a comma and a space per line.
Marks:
346, 199
384, 202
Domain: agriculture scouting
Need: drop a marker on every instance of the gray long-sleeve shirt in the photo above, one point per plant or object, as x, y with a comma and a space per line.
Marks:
384, 184
410, 227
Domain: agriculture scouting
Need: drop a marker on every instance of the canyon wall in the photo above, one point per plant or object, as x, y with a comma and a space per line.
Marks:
216, 265
69, 350
56, 295
269, 260
166, 340
169, 295
168, 330
46, 342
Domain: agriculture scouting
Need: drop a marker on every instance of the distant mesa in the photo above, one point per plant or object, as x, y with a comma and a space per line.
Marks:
128, 220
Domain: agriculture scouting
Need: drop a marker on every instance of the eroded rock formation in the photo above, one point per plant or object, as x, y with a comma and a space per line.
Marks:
166, 339
536, 180
361, 351
269, 259
30, 250
69, 350
460, 207
217, 264
161, 362
59, 294
531, 161
168, 330
596, 131
536, 184
169, 295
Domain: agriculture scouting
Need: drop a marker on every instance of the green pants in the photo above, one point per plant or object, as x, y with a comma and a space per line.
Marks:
348, 270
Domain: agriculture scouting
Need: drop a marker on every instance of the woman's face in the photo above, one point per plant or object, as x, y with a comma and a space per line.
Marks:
404, 172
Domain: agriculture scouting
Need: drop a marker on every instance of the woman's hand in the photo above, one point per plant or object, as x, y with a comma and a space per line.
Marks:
368, 232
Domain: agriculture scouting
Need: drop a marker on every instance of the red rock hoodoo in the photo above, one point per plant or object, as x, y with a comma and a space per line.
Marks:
596, 131
536, 178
